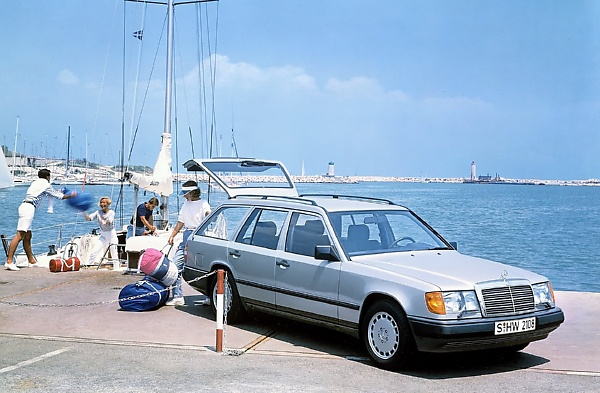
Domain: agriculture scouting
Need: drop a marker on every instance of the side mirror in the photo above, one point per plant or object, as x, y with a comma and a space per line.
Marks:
326, 252
454, 245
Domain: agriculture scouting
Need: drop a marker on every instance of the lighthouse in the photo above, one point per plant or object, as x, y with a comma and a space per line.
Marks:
473, 171
330, 170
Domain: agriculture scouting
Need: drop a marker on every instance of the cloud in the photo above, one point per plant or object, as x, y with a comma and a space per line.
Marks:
246, 76
285, 113
352, 86
67, 77
247, 79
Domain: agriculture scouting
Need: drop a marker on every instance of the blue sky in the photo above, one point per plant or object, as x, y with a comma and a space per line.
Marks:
390, 88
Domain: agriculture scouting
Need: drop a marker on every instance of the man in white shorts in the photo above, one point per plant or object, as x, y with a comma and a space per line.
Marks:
39, 189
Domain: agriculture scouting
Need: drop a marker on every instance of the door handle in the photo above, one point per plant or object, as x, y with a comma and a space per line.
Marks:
282, 263
235, 254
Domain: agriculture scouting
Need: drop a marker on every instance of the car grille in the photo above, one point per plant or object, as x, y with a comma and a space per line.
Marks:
507, 300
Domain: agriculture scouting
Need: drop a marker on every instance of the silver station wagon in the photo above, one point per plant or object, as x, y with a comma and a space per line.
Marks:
367, 267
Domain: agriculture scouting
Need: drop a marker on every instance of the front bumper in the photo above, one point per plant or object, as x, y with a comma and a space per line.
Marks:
475, 334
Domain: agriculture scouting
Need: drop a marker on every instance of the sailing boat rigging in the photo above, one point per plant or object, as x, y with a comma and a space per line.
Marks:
161, 180
69, 177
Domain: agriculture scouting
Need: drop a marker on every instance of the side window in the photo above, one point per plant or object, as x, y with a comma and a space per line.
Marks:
263, 228
224, 223
305, 233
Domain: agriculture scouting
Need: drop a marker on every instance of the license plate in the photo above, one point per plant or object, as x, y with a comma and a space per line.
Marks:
516, 326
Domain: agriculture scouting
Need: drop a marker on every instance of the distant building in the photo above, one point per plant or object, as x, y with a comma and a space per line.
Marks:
330, 169
473, 171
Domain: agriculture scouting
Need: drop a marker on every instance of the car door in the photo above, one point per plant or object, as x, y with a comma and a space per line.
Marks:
252, 256
306, 286
209, 244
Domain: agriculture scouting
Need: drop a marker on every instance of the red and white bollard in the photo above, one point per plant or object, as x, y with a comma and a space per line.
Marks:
220, 308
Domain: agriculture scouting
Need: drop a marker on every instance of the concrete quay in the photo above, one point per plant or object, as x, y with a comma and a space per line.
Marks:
64, 332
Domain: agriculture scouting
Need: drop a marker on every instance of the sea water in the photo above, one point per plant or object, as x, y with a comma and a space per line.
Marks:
552, 230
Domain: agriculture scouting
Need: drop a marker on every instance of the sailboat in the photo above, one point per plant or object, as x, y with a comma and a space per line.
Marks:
160, 183
68, 178
6, 179
16, 179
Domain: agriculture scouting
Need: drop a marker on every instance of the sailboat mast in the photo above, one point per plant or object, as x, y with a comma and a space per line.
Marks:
161, 181
68, 152
164, 208
15, 149
169, 77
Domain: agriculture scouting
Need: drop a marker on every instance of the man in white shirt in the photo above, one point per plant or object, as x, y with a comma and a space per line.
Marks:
192, 213
39, 189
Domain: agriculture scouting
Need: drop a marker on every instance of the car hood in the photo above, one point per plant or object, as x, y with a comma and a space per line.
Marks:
447, 270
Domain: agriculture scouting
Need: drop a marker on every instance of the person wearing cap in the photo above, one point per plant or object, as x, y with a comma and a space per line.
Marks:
192, 213
38, 190
143, 218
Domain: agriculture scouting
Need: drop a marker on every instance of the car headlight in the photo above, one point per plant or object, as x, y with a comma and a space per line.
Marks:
458, 303
543, 295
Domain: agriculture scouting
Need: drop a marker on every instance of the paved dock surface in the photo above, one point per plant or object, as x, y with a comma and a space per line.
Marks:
64, 331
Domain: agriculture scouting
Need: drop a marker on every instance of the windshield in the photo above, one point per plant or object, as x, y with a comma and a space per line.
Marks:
380, 231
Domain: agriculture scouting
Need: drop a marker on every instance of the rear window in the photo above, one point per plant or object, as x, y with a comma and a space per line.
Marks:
224, 223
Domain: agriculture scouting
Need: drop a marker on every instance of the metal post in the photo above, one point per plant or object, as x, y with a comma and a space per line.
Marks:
220, 285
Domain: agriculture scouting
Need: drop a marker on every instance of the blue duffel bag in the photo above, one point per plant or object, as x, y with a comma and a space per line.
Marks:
144, 295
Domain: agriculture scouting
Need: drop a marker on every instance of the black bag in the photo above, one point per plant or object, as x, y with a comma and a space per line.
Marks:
144, 295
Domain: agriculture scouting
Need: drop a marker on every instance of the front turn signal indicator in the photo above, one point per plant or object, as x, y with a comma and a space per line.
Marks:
435, 303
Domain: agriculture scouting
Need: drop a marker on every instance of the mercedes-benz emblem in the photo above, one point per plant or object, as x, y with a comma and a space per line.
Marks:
504, 274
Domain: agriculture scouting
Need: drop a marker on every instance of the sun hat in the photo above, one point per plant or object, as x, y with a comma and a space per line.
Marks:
188, 187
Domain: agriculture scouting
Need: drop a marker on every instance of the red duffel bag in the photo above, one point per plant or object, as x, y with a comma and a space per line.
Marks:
65, 265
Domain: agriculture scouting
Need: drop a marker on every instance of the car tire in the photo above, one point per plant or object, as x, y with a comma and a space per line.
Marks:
387, 335
233, 304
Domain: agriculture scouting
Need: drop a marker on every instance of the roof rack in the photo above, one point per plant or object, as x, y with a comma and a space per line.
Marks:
277, 197
354, 197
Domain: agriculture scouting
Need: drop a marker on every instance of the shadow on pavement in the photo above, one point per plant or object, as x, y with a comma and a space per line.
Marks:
470, 364
286, 336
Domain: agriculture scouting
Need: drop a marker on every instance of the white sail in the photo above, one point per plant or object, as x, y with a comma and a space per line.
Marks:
6, 179
161, 180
